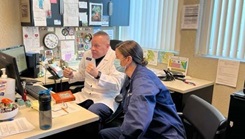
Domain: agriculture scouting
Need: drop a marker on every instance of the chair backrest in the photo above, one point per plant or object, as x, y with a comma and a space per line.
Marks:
204, 117
114, 43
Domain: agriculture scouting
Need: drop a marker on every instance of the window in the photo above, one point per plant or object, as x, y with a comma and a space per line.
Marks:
222, 29
152, 24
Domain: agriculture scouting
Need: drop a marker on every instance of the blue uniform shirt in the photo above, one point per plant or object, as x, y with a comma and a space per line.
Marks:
149, 109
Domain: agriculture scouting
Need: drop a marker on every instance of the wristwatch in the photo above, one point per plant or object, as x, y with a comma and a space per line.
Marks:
98, 76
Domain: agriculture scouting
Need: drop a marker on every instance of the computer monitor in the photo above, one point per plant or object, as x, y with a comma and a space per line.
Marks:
9, 63
20, 55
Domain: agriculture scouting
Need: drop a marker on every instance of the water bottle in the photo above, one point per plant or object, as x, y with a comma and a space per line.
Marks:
45, 115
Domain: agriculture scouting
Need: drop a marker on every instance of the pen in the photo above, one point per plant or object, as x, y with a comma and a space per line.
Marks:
71, 69
64, 110
68, 68
187, 82
191, 83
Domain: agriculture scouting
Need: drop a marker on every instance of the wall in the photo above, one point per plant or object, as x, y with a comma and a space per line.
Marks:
206, 68
10, 28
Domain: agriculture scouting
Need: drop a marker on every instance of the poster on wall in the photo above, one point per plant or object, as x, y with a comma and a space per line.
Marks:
25, 16
95, 13
163, 57
151, 56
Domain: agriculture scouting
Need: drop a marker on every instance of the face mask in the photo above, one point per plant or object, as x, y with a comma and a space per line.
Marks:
118, 65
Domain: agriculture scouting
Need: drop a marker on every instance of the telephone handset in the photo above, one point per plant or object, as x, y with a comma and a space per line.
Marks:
169, 76
56, 71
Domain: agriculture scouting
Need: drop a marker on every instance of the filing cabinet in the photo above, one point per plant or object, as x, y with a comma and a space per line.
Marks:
236, 116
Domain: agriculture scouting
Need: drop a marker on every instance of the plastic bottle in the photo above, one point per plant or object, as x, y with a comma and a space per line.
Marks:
45, 115
7, 86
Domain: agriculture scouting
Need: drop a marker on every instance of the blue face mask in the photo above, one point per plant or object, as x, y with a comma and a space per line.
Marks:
118, 65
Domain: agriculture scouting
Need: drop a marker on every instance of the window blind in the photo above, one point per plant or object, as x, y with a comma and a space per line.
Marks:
152, 24
222, 30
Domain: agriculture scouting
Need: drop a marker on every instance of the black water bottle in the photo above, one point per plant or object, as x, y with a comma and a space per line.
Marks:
45, 115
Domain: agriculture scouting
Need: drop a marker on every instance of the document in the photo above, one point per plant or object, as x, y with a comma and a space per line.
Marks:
71, 13
60, 109
227, 72
14, 127
190, 17
64, 109
31, 39
67, 50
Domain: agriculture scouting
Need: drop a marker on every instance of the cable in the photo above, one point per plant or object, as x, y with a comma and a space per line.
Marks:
55, 84
61, 89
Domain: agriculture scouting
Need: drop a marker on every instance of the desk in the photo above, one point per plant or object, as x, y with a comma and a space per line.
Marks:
181, 91
46, 81
59, 124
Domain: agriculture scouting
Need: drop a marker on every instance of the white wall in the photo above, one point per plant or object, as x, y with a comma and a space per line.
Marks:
10, 27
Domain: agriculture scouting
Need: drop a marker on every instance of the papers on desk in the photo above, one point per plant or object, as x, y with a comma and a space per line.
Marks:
59, 109
63, 109
16, 126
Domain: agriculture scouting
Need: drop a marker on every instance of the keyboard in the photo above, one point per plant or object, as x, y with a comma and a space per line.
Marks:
34, 90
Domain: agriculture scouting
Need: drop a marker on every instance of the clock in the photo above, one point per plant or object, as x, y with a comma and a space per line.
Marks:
51, 40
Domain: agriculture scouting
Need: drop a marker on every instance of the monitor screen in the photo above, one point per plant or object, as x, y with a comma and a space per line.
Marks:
9, 63
19, 53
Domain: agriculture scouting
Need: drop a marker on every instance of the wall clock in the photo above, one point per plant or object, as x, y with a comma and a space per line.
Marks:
51, 40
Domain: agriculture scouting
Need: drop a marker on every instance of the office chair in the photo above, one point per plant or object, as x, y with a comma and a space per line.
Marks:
76, 86
114, 43
202, 120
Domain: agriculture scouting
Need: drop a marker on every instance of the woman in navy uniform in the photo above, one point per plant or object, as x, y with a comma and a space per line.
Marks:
149, 112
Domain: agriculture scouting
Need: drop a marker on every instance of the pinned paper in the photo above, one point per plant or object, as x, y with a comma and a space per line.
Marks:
151, 56
67, 50
178, 64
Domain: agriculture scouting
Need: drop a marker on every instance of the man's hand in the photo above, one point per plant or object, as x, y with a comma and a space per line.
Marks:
68, 73
92, 70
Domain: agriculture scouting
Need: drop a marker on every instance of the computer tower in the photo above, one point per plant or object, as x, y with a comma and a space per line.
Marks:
33, 60
236, 116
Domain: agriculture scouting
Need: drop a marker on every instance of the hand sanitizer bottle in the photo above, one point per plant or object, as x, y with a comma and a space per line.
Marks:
7, 86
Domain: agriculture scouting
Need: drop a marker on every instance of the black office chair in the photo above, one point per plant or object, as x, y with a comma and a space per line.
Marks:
202, 120
76, 86
114, 43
